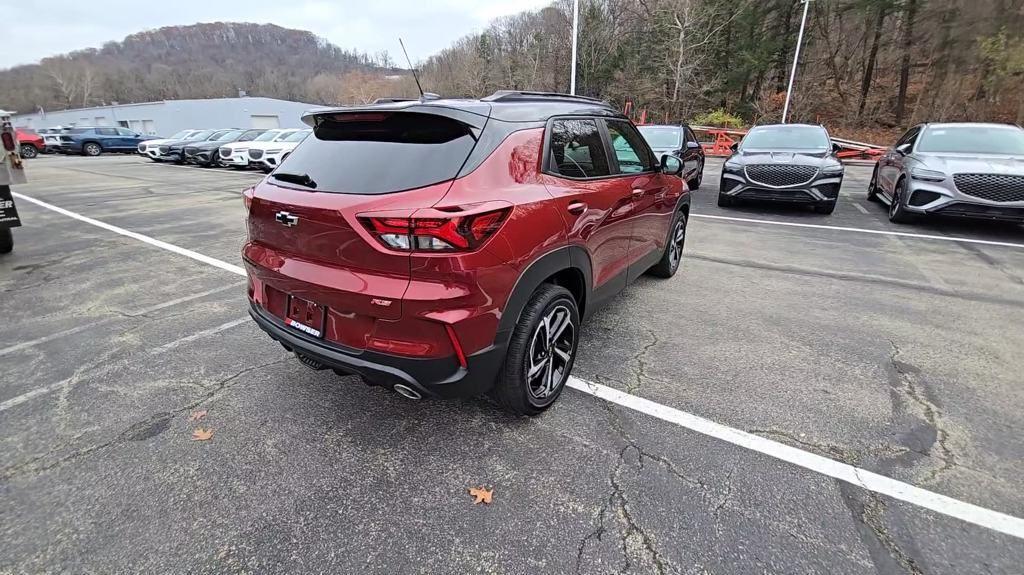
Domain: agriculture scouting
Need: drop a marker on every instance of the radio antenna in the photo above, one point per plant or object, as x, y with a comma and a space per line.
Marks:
415, 76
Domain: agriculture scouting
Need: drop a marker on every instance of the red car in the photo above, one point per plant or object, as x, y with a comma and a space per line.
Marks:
31, 142
448, 248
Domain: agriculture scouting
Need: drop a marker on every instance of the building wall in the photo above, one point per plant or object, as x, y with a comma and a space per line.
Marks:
170, 116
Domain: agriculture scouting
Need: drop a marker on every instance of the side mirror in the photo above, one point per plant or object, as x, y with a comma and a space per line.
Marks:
735, 147
903, 149
671, 165
692, 145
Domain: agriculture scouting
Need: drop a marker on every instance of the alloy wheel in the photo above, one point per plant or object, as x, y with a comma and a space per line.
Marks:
550, 355
675, 249
896, 196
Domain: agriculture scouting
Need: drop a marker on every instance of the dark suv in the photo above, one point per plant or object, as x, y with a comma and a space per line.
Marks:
792, 163
448, 248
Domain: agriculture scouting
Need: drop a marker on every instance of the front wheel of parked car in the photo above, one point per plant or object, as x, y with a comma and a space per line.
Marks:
541, 352
873, 186
898, 213
673, 254
825, 208
28, 151
694, 183
92, 149
6, 241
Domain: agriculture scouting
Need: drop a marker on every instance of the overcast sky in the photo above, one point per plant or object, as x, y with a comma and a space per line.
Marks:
39, 28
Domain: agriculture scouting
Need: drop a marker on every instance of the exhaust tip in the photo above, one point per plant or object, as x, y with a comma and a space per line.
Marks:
406, 391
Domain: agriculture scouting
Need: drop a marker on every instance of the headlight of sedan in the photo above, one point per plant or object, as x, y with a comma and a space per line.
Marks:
832, 169
927, 175
732, 167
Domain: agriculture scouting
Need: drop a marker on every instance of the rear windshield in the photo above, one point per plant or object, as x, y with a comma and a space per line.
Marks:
380, 152
972, 140
786, 138
662, 137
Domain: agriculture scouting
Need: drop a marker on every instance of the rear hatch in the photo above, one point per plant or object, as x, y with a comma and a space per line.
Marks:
306, 237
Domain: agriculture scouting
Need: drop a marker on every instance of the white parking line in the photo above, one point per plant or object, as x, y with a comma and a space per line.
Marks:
863, 478
92, 324
31, 394
862, 231
136, 236
861, 208
939, 503
198, 335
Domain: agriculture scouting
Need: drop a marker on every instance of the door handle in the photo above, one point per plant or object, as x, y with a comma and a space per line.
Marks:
577, 208
637, 192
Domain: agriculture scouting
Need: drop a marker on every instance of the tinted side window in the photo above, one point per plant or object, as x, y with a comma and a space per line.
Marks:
630, 150
106, 131
577, 150
690, 136
125, 132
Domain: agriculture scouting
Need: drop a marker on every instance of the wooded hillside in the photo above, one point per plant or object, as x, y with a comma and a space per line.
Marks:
199, 61
866, 63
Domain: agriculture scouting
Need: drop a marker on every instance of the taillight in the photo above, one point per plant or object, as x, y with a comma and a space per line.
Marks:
455, 233
8, 139
247, 195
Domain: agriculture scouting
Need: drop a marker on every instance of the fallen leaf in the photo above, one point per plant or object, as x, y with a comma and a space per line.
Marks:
481, 494
197, 415
201, 434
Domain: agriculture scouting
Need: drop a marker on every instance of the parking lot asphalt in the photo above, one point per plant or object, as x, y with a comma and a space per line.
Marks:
899, 355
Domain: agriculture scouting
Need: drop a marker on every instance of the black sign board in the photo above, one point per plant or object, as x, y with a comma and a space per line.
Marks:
8, 213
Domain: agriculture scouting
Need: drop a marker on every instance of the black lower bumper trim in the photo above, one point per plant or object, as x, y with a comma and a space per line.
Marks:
981, 211
442, 377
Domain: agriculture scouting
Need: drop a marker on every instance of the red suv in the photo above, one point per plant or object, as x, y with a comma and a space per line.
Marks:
448, 248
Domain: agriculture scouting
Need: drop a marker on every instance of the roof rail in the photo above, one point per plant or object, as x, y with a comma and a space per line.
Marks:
392, 100
525, 96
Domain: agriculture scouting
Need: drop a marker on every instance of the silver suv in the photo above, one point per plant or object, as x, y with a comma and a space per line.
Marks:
966, 169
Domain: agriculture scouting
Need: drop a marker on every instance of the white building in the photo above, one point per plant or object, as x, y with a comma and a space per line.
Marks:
170, 116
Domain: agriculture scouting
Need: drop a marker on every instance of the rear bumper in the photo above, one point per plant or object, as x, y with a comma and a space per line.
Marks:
439, 378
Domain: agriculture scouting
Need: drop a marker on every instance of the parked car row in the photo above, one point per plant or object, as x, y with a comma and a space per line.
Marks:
967, 169
228, 147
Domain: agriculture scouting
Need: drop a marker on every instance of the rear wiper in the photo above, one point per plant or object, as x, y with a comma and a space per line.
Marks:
300, 179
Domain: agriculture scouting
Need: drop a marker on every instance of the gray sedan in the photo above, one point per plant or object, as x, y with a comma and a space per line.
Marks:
966, 169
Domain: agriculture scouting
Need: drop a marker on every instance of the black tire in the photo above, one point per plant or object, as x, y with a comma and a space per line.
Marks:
725, 201
694, 183
825, 208
28, 151
91, 149
6, 240
515, 391
668, 265
898, 213
873, 186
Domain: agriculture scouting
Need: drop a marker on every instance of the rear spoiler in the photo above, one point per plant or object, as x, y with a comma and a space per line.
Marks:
475, 118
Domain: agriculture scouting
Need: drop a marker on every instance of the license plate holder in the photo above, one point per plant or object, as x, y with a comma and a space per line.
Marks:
305, 316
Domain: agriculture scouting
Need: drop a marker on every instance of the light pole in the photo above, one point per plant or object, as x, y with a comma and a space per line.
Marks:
796, 60
575, 33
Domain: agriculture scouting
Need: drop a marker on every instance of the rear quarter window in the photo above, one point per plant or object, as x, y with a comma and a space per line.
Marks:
381, 152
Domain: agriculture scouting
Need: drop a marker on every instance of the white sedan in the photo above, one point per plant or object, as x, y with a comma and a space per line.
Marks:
236, 155
269, 158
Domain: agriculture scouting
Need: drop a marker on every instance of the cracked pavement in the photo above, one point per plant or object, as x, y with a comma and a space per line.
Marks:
897, 355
